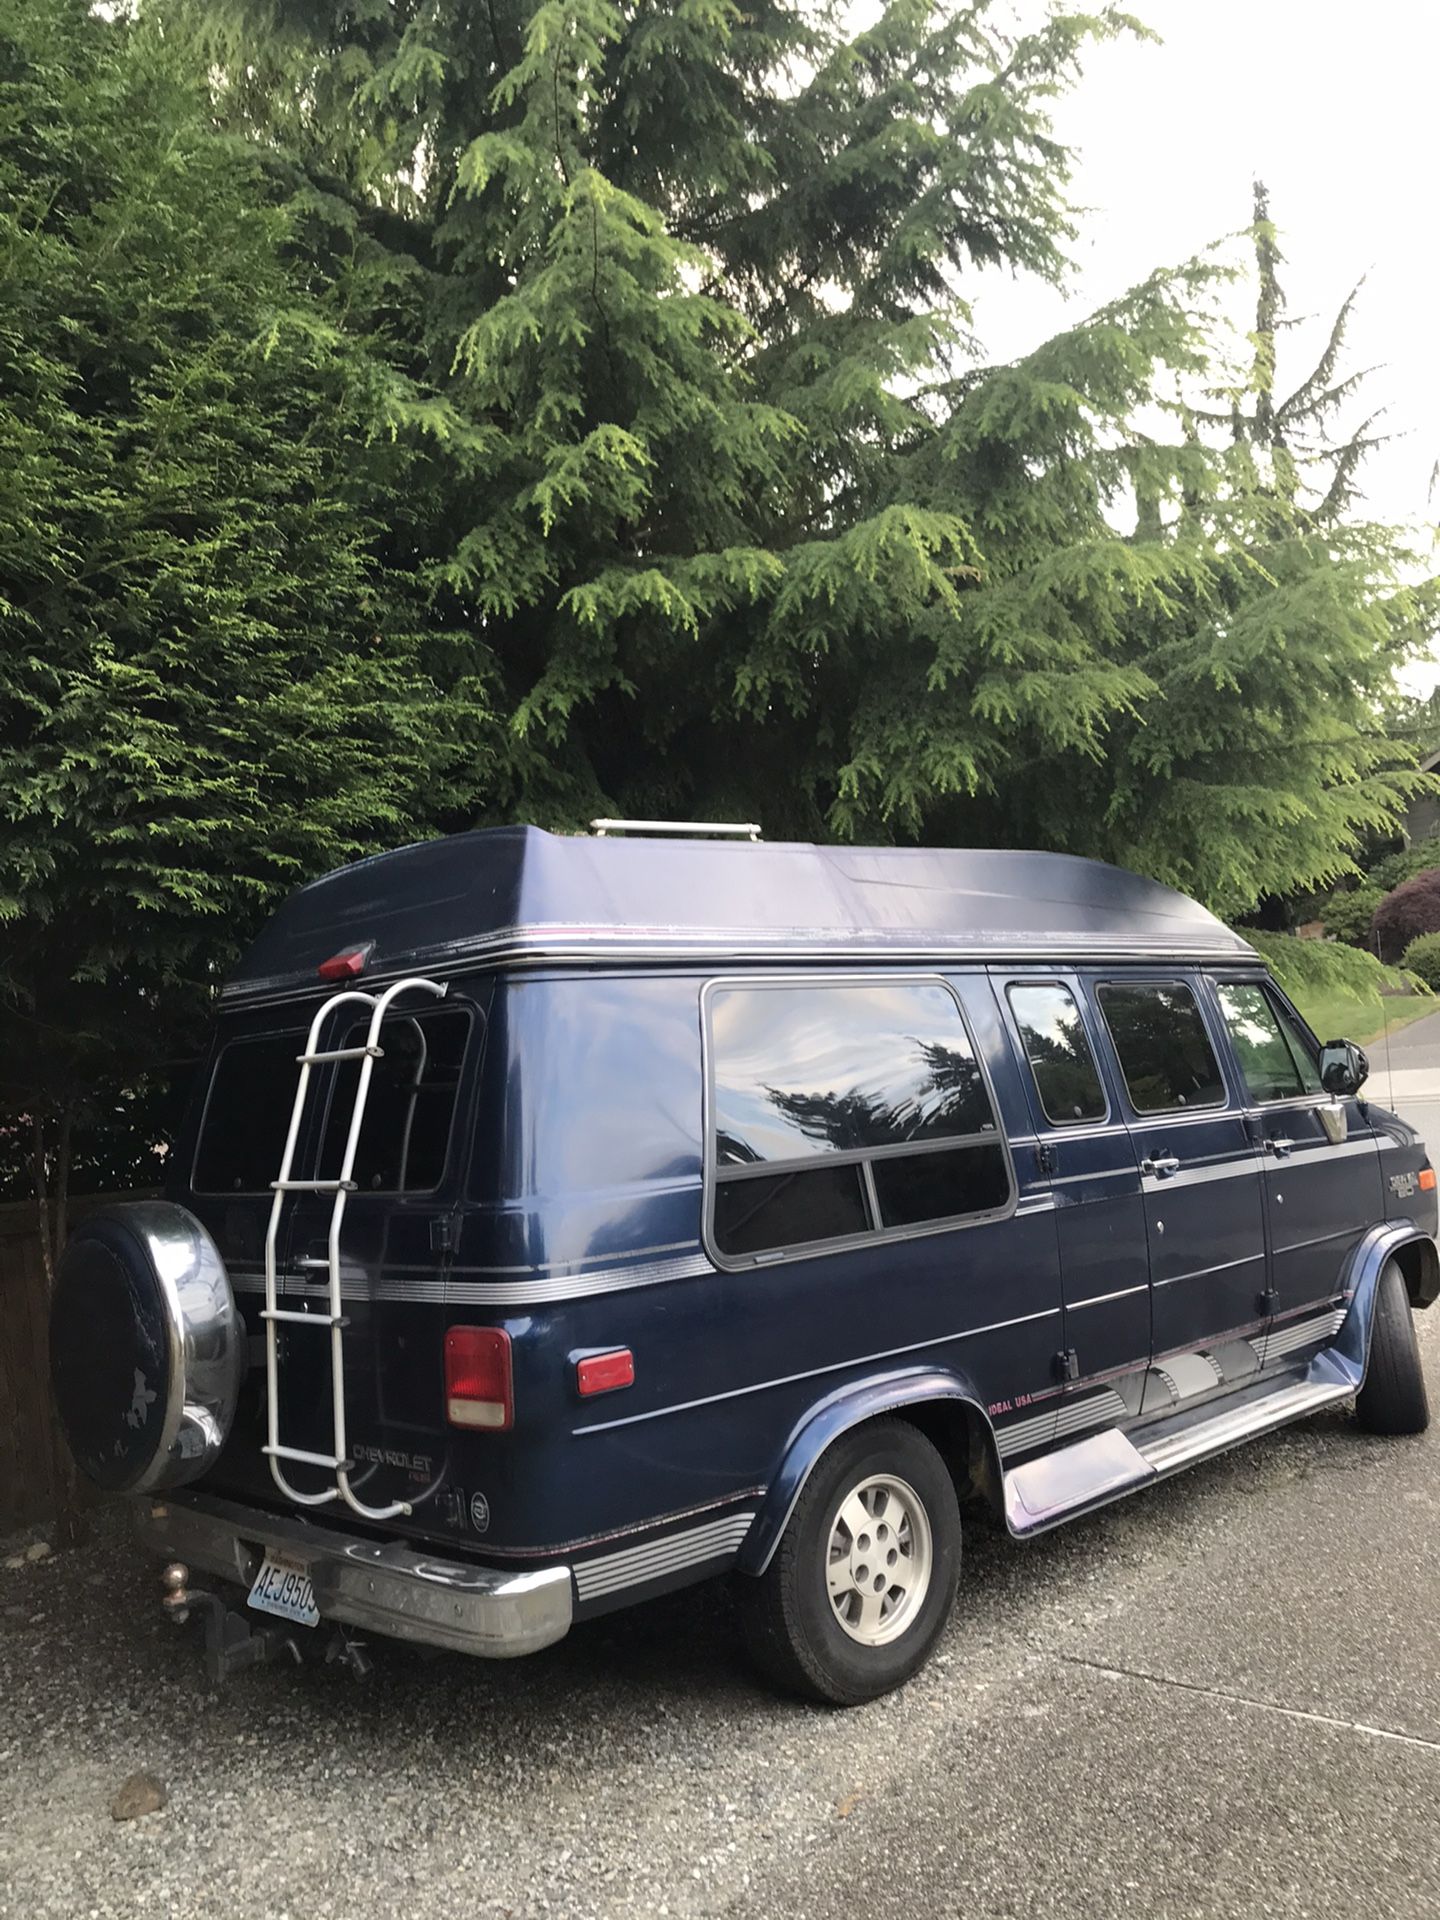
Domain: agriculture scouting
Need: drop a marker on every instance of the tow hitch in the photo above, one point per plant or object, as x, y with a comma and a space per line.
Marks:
235, 1640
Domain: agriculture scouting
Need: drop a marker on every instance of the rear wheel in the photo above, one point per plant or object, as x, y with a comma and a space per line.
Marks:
863, 1580
1393, 1398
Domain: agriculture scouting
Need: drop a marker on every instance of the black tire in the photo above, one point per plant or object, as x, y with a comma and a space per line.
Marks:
789, 1620
1393, 1398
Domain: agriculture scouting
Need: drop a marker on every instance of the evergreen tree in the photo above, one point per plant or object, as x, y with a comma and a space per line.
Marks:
1196, 637
210, 687
748, 530
692, 270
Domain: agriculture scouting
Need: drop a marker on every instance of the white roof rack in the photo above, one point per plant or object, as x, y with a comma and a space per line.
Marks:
744, 829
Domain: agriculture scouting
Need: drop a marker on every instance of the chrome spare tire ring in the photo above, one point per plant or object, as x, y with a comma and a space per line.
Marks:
147, 1349
880, 1556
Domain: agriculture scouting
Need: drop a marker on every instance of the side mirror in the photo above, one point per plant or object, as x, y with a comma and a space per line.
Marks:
1343, 1067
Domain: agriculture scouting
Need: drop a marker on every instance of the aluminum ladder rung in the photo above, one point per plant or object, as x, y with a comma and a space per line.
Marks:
340, 1053
335, 1321
326, 1320
278, 1452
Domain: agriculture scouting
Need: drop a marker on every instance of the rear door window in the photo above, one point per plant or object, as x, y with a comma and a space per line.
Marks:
1163, 1048
1274, 1055
1057, 1046
409, 1115
242, 1136
841, 1111
411, 1106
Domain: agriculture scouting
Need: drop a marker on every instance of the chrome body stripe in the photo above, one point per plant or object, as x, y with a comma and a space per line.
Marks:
816, 1373
456, 1288
554, 945
1100, 1299
674, 1553
1221, 1266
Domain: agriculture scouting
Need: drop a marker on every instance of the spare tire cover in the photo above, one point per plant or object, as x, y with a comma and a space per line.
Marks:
147, 1351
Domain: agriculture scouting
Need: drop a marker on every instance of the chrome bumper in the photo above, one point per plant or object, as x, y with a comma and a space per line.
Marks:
386, 1586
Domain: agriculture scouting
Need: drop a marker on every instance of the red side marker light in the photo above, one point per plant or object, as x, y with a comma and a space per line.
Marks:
604, 1372
1427, 1179
478, 1386
348, 964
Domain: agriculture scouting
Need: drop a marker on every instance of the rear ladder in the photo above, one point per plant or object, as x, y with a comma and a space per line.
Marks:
274, 1315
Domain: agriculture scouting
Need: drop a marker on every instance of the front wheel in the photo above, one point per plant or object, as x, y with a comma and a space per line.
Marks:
1393, 1398
863, 1580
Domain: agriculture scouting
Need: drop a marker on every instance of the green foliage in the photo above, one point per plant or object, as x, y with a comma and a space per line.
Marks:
1342, 991
1422, 957
1396, 868
1347, 914
375, 366
751, 533
210, 685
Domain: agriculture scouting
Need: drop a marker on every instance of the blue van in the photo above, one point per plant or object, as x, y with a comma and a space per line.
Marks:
561, 1221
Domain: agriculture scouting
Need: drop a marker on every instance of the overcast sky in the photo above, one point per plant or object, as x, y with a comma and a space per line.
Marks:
1333, 105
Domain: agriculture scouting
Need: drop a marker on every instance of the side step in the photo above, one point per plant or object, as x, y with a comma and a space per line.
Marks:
1091, 1472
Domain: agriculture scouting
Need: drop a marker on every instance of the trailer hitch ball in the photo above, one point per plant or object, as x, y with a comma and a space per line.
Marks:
175, 1591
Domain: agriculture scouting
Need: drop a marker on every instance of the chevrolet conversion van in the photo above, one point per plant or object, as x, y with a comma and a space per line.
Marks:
561, 1221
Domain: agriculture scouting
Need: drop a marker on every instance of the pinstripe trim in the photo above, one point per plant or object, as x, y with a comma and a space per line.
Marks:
1078, 1416
816, 1373
610, 1572
1302, 1334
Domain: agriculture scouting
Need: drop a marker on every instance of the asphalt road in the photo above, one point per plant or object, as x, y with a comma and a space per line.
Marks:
1218, 1698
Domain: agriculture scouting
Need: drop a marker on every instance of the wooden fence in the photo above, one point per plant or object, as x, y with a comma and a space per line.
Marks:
32, 1476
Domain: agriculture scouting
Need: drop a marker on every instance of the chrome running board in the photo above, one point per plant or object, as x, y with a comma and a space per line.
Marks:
1226, 1429
1092, 1472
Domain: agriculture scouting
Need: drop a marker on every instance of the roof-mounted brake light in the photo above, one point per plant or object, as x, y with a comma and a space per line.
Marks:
348, 964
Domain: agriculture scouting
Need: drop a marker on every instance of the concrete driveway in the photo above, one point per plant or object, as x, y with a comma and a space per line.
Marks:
1219, 1698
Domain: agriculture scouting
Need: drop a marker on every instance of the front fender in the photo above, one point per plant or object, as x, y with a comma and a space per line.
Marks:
847, 1407
1349, 1355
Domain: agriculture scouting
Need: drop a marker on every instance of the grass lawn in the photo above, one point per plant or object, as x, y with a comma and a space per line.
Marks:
1362, 1017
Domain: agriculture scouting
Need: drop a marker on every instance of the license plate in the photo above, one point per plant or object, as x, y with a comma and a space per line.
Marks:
283, 1587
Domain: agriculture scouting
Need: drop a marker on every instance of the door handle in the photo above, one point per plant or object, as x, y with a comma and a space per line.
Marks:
1164, 1165
1279, 1145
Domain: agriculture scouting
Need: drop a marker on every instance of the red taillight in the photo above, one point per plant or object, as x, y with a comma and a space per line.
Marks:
478, 1390
604, 1372
348, 964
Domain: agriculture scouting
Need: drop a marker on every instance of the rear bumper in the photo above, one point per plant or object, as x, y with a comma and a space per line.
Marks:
386, 1586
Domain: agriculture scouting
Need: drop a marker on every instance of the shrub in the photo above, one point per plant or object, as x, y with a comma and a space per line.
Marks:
1347, 916
1396, 868
1422, 956
1412, 909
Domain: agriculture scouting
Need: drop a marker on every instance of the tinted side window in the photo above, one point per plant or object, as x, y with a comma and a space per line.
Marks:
1165, 1053
1058, 1049
1272, 1052
808, 1070
839, 1111
790, 1209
